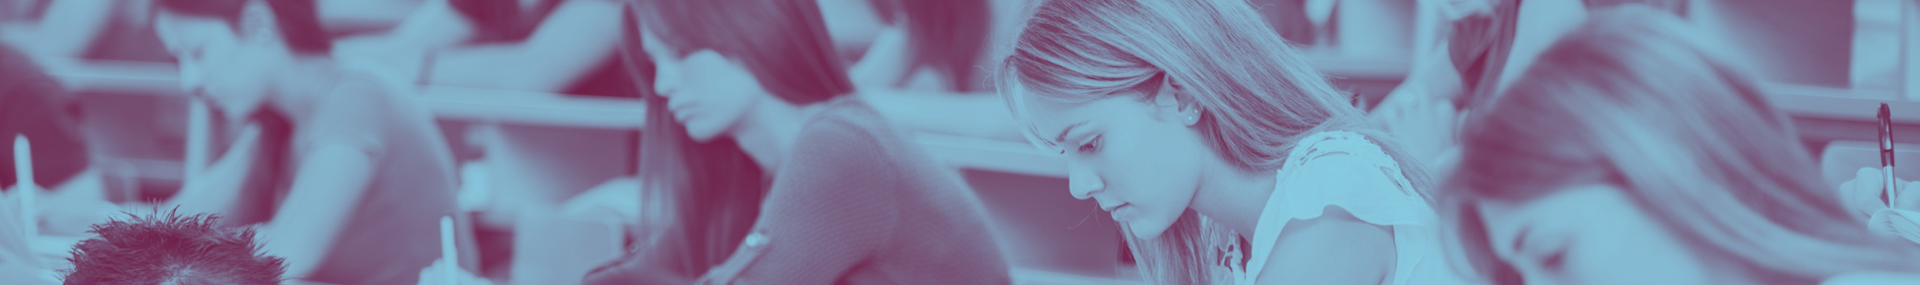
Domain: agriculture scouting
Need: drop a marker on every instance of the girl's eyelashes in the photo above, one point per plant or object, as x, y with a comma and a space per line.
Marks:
1555, 260
1091, 146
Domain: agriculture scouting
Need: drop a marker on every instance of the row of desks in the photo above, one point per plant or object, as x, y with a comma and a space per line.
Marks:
1817, 108
535, 108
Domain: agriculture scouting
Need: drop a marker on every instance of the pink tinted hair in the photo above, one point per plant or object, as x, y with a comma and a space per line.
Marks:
715, 189
1634, 99
1257, 95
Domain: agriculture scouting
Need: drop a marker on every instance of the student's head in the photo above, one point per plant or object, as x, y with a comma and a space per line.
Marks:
172, 249
946, 37
710, 63
716, 60
1146, 97
231, 52
1629, 154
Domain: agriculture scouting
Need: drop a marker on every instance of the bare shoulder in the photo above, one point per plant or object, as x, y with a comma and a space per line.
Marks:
1336, 248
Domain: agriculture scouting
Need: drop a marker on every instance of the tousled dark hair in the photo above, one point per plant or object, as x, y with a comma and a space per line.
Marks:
172, 249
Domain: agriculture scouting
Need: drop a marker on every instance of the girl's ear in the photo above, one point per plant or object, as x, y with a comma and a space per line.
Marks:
1172, 103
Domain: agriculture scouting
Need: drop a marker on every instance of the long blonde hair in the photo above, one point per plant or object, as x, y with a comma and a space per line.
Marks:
1632, 99
1257, 95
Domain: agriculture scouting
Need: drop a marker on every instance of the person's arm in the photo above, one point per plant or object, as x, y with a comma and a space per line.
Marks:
576, 38
434, 24
884, 62
350, 15
829, 210
1351, 240
649, 265
216, 189
66, 30
1335, 248
329, 183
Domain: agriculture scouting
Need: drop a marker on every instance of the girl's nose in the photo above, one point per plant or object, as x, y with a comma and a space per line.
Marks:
1082, 182
191, 82
666, 79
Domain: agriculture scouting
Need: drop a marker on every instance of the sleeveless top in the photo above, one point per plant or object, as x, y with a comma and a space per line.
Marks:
1301, 195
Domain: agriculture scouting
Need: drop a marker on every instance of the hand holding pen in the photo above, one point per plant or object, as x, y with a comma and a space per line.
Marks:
1876, 188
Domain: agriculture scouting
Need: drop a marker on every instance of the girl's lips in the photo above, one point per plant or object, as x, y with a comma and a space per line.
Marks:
1122, 213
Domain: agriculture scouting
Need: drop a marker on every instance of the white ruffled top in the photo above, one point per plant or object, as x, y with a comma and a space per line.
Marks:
1318, 173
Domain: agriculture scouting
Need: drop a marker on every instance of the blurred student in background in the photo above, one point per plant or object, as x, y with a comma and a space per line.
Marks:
31, 105
554, 44
749, 88
172, 249
1630, 154
1463, 62
358, 178
930, 45
1199, 154
79, 28
34, 106
71, 193
920, 63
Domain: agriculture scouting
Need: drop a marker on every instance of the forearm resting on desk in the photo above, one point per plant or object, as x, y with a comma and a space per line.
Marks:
65, 31
434, 24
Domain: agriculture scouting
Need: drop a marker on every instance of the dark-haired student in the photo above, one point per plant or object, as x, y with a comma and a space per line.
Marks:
358, 177
751, 87
172, 249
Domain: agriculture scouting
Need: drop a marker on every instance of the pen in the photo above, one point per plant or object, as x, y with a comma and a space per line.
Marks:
1890, 193
449, 256
23, 169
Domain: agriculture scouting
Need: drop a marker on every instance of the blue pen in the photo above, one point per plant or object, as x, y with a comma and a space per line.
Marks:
1889, 193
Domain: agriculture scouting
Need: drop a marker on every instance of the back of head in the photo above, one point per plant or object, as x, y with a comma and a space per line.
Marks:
298, 21
948, 36
1631, 98
172, 249
784, 43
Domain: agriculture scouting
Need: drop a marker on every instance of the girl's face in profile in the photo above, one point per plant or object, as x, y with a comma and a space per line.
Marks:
706, 92
1139, 161
229, 70
1589, 235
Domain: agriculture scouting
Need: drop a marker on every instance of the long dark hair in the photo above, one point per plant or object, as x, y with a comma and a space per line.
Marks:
297, 20
716, 189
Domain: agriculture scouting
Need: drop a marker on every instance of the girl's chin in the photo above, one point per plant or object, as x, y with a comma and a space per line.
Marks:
1143, 233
